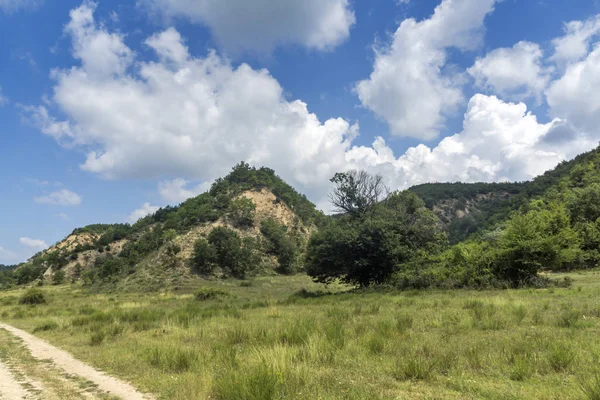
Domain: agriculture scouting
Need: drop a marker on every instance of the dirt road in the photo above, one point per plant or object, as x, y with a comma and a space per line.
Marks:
10, 388
71, 372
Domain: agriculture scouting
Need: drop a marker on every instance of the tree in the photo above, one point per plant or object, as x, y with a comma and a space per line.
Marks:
59, 277
227, 250
281, 245
205, 257
539, 239
366, 249
242, 212
356, 192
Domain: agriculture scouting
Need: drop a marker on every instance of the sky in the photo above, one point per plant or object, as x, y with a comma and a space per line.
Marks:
112, 109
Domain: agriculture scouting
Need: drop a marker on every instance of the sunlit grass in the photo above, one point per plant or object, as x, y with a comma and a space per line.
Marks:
271, 340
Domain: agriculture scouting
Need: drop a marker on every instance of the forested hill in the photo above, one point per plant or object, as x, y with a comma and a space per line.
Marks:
467, 208
249, 222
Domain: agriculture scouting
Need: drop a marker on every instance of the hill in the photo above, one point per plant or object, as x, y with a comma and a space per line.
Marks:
468, 208
251, 222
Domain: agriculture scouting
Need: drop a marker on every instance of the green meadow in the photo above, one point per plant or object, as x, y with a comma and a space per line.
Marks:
290, 338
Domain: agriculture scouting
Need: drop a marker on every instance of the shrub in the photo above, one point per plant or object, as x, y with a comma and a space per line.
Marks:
561, 357
242, 212
205, 293
59, 277
45, 326
172, 360
417, 368
33, 297
280, 245
97, 338
204, 257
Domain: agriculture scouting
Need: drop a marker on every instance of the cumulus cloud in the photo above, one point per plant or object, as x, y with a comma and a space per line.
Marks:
192, 118
142, 212
34, 244
62, 197
499, 141
177, 190
261, 25
183, 116
575, 43
515, 72
410, 87
576, 95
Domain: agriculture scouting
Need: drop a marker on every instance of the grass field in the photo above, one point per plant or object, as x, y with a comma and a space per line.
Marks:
268, 339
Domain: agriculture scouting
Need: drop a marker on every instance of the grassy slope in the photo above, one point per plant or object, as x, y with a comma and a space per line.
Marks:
260, 344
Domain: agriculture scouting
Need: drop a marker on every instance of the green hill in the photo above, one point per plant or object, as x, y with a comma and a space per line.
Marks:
468, 208
261, 225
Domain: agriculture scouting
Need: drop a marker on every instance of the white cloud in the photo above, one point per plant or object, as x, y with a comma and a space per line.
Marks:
576, 95
575, 43
62, 197
184, 116
410, 87
34, 244
142, 212
10, 6
515, 72
177, 191
500, 141
261, 25
194, 118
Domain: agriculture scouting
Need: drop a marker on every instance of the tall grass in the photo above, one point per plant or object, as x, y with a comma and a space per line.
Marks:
272, 340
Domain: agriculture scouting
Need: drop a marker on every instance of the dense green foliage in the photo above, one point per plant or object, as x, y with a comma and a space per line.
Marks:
7, 267
367, 248
151, 233
226, 250
556, 230
32, 297
494, 202
280, 244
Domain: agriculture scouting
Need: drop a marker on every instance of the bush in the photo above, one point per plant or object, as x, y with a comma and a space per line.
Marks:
242, 212
280, 245
227, 250
204, 257
45, 326
33, 297
205, 293
97, 338
58, 278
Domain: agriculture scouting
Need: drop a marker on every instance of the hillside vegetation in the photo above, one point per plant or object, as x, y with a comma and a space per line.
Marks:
253, 223
251, 220
468, 208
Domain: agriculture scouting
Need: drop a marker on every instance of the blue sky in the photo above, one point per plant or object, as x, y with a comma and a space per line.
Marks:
111, 109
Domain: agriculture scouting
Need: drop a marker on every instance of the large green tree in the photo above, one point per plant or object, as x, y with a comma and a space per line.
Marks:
366, 247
